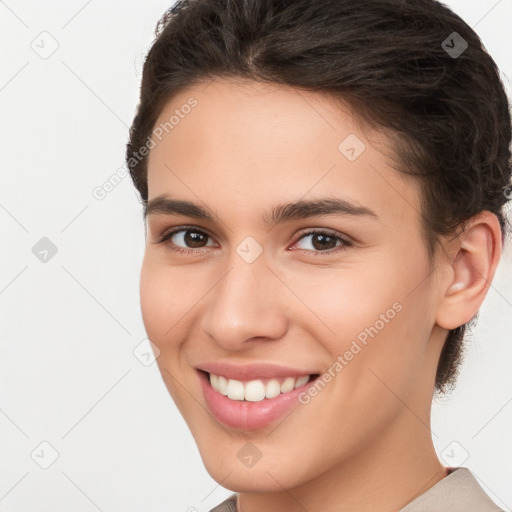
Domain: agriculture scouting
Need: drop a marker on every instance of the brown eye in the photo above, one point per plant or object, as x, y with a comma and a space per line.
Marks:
185, 240
321, 241
194, 238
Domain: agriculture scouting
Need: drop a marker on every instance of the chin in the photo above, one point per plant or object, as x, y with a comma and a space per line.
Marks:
250, 479
271, 473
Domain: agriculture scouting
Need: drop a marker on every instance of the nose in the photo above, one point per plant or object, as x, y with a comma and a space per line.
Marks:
249, 302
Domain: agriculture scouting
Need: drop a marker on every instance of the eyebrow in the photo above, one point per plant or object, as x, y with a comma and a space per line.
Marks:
280, 213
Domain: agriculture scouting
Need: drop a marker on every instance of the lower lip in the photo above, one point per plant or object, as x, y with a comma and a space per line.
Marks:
245, 415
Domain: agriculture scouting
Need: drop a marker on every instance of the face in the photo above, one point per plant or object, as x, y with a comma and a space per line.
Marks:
336, 286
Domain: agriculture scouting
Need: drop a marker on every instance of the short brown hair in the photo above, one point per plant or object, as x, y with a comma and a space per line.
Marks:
413, 68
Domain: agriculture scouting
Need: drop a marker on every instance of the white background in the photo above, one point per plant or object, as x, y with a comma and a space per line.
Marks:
69, 326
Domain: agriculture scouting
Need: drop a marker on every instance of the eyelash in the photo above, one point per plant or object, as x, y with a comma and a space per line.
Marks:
165, 240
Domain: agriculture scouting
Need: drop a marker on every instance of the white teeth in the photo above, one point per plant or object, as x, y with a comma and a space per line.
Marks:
235, 390
273, 388
222, 385
288, 385
301, 381
254, 390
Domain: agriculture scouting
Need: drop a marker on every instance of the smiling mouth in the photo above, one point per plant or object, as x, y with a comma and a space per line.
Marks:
256, 390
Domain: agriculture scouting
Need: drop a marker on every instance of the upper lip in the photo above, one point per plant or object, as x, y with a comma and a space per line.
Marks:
252, 371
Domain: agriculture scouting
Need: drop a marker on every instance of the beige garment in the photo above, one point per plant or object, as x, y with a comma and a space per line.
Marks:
457, 492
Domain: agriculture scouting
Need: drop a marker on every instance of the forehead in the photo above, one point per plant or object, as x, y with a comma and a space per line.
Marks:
256, 144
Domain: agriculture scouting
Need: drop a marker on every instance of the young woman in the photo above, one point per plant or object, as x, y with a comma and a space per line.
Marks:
323, 185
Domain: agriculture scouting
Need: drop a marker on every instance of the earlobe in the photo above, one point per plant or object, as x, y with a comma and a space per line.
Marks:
477, 253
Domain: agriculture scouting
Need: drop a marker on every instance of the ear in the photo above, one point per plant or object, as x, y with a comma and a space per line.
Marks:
470, 264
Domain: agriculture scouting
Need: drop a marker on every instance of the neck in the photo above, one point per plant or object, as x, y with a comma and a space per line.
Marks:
385, 475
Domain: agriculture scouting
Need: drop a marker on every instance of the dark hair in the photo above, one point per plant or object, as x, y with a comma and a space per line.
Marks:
401, 66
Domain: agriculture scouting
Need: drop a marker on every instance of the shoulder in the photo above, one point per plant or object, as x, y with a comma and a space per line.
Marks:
457, 492
228, 505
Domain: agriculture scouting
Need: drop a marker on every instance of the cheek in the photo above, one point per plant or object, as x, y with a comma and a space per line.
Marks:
378, 316
162, 299
162, 307
169, 296
153, 301
346, 301
392, 325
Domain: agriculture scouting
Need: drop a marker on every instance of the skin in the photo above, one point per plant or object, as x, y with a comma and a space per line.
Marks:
364, 442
